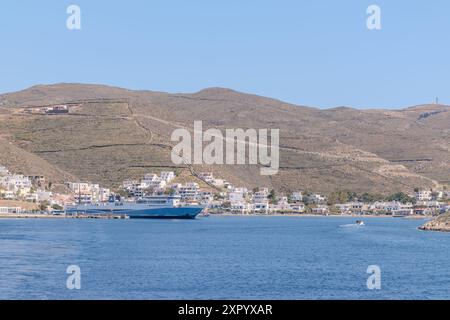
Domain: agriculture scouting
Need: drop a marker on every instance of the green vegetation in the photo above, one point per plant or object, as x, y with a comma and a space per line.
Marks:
368, 198
218, 196
123, 193
272, 197
401, 197
170, 191
43, 206
341, 196
57, 207
226, 205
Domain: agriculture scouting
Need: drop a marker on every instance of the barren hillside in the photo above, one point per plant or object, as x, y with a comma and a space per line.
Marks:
112, 134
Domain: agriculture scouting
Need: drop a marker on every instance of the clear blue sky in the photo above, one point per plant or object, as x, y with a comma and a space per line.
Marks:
315, 52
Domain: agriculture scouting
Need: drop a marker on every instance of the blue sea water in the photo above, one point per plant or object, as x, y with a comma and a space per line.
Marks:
223, 258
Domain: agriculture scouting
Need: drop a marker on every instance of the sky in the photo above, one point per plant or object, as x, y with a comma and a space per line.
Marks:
312, 52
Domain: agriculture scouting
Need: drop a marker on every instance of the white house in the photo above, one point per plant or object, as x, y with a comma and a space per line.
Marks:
241, 207
297, 196
261, 196
283, 204
16, 182
298, 207
188, 191
320, 209
237, 195
424, 195
316, 198
206, 176
262, 207
3, 171
6, 210
167, 176
205, 197
127, 184
85, 192
153, 184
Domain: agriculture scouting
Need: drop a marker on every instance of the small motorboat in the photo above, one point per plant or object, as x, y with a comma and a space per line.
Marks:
360, 223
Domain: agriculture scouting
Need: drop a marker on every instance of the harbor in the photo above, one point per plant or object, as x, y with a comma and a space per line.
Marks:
44, 215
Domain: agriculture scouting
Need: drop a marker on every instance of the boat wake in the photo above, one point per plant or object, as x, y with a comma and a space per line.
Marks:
351, 225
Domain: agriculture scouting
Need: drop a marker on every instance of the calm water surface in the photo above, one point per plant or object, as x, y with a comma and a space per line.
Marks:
223, 258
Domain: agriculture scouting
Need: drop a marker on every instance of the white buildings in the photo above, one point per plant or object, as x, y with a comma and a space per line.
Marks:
262, 208
6, 210
19, 187
241, 207
261, 201
188, 192
167, 176
3, 171
151, 183
136, 190
283, 204
209, 178
391, 207
206, 176
320, 209
127, 184
219, 183
14, 185
438, 195
205, 197
85, 192
237, 195
298, 207
424, 195
297, 196
8, 194
261, 196
238, 203
316, 198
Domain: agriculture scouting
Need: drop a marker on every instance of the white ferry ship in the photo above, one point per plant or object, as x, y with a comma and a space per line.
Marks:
150, 207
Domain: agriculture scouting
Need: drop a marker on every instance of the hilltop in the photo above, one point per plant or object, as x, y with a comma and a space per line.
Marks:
112, 134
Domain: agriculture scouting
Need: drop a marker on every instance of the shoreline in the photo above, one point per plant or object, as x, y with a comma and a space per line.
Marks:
29, 216
291, 215
308, 215
439, 224
50, 216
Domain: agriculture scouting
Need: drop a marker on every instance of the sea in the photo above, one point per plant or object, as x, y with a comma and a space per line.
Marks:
223, 257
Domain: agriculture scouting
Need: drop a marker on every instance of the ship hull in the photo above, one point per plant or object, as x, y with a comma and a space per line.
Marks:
166, 213
145, 213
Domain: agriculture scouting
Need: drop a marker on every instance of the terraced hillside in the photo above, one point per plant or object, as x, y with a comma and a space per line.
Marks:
112, 134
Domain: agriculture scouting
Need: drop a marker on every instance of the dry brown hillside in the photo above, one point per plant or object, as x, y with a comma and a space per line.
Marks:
113, 134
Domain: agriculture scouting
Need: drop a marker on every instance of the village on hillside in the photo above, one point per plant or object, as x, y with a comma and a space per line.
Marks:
31, 194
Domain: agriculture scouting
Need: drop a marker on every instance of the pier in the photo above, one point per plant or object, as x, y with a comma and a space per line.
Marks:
61, 216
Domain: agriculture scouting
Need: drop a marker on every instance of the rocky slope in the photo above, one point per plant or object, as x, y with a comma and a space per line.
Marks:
112, 134
441, 223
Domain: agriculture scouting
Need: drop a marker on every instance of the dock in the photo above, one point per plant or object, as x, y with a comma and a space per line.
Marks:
62, 216
96, 216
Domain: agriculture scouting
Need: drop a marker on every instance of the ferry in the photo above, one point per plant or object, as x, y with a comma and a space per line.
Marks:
149, 207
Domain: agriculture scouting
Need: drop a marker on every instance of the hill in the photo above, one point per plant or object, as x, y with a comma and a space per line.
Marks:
113, 134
